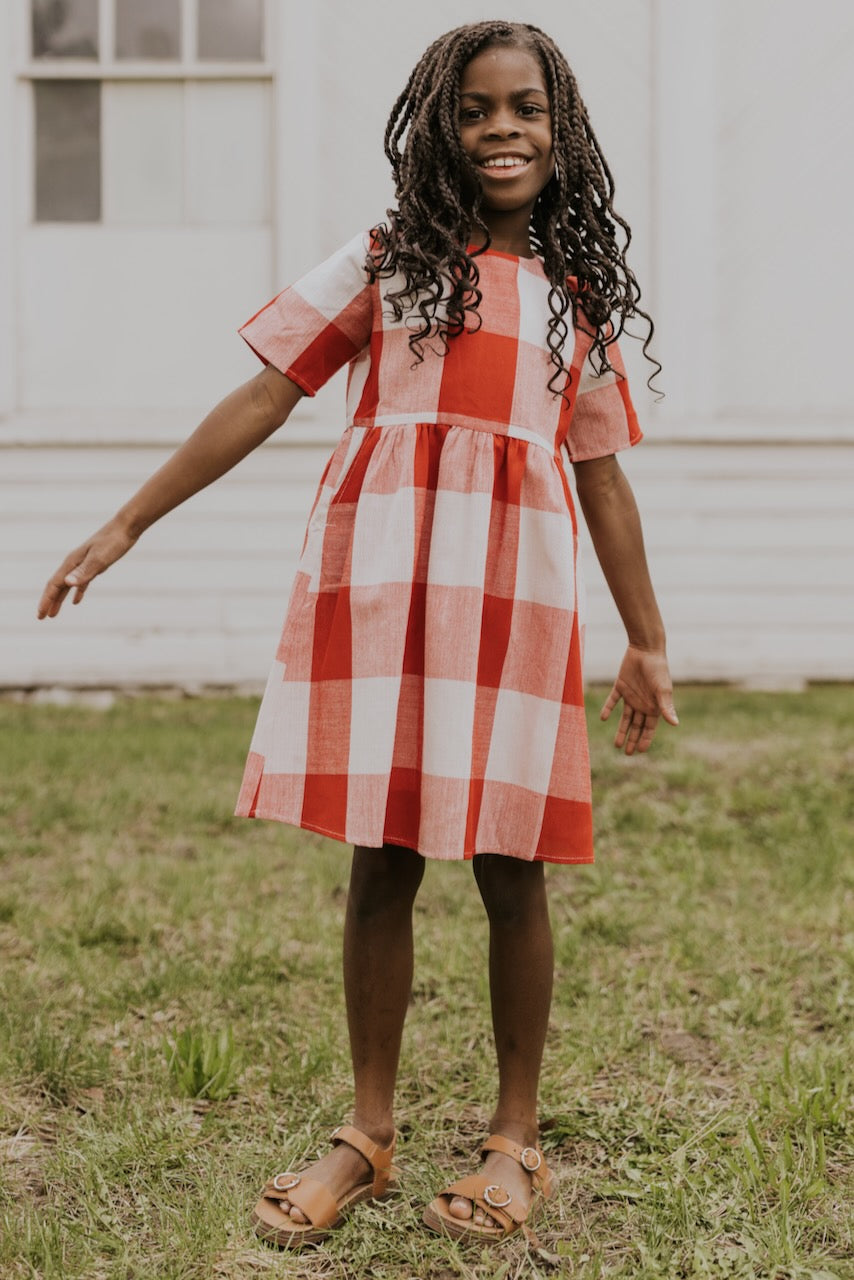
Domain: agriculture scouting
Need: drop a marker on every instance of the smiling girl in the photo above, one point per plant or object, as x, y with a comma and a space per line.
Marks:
426, 699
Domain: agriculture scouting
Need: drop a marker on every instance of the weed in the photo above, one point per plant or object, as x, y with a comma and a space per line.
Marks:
203, 1063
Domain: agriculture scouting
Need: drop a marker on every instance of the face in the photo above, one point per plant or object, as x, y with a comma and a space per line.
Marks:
506, 127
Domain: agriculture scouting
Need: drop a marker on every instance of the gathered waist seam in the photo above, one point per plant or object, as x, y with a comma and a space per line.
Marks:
417, 420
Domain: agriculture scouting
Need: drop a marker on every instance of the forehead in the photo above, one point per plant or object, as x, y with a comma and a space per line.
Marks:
502, 69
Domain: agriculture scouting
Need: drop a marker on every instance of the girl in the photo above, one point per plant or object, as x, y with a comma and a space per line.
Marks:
426, 698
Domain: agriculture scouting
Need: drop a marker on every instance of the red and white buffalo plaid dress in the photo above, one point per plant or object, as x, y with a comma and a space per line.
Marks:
427, 688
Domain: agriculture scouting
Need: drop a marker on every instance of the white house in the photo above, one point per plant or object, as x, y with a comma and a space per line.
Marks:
166, 166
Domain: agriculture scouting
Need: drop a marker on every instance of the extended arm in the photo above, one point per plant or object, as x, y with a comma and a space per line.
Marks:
232, 429
643, 683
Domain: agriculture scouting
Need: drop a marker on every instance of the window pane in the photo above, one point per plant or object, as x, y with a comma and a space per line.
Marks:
65, 28
231, 30
68, 150
149, 30
143, 129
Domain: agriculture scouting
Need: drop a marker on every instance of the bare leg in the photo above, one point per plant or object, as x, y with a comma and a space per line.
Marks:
521, 970
377, 983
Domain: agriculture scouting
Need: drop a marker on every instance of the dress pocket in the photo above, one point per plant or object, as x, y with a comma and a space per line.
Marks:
348, 484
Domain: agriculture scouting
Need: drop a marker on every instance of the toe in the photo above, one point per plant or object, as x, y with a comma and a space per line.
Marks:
460, 1207
295, 1214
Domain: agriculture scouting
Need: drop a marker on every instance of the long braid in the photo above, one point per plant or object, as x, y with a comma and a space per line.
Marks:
574, 225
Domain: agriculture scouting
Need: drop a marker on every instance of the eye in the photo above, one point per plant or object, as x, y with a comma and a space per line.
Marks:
532, 109
471, 113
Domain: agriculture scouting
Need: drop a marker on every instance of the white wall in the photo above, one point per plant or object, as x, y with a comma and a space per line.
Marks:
749, 548
784, 250
8, 398
728, 127
139, 310
119, 318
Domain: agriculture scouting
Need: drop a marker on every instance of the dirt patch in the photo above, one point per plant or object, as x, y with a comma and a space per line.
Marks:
22, 1157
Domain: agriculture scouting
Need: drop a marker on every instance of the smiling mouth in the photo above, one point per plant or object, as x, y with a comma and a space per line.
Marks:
505, 163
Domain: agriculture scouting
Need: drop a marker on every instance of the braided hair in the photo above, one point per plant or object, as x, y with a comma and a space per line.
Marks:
574, 226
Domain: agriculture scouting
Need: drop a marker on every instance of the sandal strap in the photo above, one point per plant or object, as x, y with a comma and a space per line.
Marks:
379, 1158
314, 1199
507, 1211
531, 1159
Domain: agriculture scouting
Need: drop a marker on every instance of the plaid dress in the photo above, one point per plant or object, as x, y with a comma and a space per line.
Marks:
427, 687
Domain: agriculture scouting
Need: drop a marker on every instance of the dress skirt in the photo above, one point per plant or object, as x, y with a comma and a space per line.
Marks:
427, 688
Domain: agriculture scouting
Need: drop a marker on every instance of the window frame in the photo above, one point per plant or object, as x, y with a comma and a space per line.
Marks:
111, 68
104, 70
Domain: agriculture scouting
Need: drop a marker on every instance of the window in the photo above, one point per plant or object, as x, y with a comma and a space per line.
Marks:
68, 163
150, 113
68, 29
231, 29
149, 30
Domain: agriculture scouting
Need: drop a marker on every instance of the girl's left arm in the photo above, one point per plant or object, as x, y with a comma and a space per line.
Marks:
643, 682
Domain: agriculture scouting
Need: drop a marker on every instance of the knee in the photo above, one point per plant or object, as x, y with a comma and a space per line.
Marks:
513, 891
383, 881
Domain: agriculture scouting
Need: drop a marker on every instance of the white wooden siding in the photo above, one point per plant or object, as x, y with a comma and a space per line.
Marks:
728, 169
750, 549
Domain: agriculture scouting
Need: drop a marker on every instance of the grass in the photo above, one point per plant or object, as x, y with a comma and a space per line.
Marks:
696, 1096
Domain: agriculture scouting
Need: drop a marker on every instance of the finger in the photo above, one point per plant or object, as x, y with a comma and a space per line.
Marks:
635, 731
667, 709
81, 576
59, 598
57, 586
624, 726
47, 602
52, 598
610, 702
648, 733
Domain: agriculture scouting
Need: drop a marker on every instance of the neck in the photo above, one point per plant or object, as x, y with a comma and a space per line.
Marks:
508, 232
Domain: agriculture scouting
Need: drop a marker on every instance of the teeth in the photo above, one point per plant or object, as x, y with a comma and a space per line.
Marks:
504, 162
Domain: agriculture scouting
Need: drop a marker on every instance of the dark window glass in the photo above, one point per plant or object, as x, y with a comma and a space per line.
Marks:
231, 30
64, 28
68, 150
148, 29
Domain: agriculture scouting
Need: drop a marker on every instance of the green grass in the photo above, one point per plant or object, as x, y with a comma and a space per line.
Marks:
696, 1096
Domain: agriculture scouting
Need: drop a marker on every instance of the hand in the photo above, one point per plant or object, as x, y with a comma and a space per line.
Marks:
646, 690
83, 564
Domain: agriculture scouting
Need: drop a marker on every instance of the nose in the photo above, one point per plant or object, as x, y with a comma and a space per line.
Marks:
504, 124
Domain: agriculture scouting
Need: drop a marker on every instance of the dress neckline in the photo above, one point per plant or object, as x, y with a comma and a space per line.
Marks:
499, 253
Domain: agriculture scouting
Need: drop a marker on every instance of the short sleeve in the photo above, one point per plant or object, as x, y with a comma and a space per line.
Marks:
314, 327
604, 419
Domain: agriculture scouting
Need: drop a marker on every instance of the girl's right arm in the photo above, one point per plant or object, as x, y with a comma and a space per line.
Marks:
232, 429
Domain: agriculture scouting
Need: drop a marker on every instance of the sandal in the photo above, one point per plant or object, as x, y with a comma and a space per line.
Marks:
314, 1199
491, 1197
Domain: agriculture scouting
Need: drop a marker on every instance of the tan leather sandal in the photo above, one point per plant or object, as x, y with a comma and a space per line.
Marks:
491, 1197
315, 1200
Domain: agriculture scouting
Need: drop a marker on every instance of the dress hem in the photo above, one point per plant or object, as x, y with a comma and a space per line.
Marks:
406, 844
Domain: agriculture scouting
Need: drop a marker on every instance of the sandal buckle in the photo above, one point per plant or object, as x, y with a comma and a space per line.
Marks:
530, 1159
286, 1181
489, 1195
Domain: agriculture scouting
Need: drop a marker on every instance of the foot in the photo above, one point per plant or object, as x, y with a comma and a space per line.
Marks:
505, 1172
341, 1170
